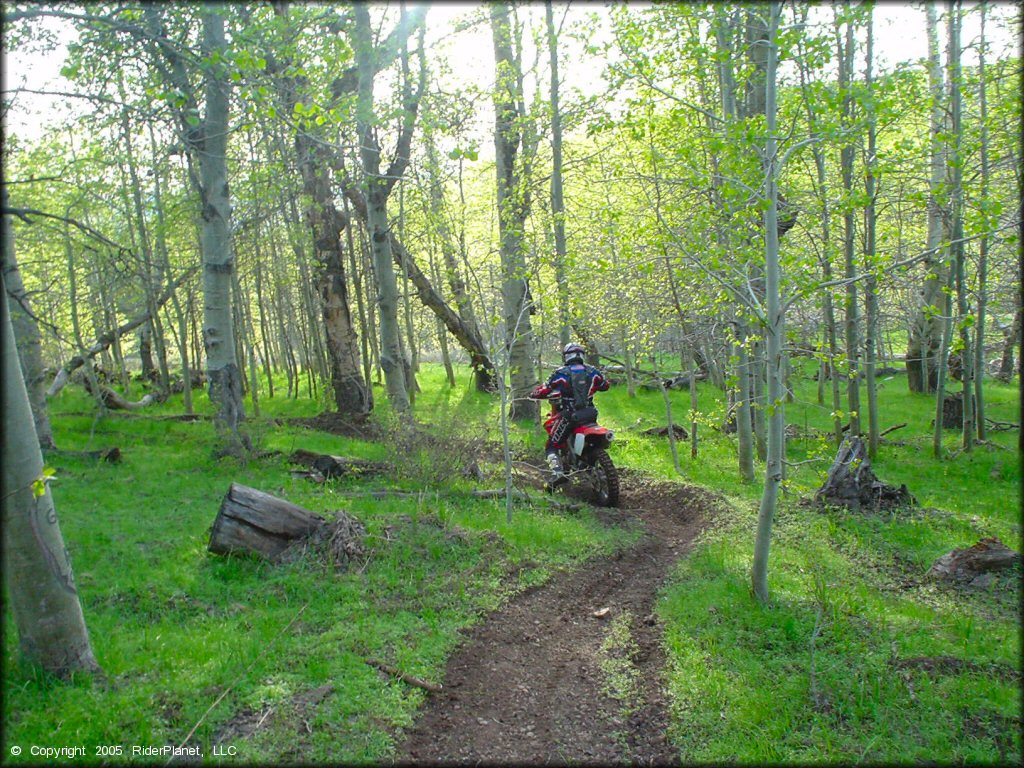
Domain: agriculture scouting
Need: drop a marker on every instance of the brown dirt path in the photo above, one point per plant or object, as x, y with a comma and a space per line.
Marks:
526, 686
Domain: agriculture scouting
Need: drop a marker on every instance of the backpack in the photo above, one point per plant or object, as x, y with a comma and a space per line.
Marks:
580, 382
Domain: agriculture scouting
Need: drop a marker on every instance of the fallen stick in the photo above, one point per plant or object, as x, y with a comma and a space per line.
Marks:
892, 429
111, 455
405, 678
999, 426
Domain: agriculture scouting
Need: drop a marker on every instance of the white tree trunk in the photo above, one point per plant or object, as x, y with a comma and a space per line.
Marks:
44, 601
218, 258
514, 147
775, 331
26, 332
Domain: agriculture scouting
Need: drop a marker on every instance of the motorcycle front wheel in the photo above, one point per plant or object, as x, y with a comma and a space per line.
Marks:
605, 479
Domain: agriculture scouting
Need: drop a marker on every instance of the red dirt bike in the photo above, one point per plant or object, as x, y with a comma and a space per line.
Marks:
586, 456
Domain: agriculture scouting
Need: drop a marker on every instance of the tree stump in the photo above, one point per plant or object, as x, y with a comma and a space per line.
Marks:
975, 566
255, 522
953, 411
851, 483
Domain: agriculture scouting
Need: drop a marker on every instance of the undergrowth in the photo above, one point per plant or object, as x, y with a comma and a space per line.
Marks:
281, 651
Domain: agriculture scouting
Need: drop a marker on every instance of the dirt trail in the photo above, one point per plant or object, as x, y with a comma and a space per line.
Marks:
526, 686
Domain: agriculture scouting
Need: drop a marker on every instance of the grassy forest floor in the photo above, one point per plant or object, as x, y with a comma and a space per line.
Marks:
850, 662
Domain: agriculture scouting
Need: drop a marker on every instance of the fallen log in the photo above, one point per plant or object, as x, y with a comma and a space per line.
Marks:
338, 466
677, 430
1000, 426
851, 483
117, 402
255, 523
975, 566
111, 455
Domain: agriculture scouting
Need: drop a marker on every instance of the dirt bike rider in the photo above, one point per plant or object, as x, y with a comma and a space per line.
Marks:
571, 388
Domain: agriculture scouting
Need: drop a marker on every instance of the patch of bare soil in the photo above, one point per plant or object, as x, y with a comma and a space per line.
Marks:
526, 685
337, 424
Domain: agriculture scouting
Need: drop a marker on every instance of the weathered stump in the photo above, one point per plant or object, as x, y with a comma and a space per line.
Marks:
255, 523
851, 483
976, 566
953, 411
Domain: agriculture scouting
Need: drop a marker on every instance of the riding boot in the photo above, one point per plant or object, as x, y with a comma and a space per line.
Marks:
557, 475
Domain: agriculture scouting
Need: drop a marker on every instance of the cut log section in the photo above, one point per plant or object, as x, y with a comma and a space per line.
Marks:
254, 522
338, 466
852, 484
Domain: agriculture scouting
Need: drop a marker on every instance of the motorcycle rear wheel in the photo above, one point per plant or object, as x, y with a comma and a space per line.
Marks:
605, 479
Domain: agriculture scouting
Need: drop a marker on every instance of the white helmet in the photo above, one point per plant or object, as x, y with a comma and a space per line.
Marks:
573, 353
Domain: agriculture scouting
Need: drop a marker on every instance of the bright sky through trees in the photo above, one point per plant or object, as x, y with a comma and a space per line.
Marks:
900, 35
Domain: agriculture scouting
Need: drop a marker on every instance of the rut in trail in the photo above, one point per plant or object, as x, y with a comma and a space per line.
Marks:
526, 687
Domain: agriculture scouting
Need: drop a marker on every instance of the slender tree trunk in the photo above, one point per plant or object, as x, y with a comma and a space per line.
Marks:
827, 304
264, 331
359, 281
627, 356
775, 331
692, 367
37, 570
744, 425
484, 378
26, 331
940, 389
979, 341
165, 259
926, 328
846, 161
957, 219
515, 144
870, 288
247, 339
412, 358
442, 332
377, 219
1010, 338
557, 198
76, 328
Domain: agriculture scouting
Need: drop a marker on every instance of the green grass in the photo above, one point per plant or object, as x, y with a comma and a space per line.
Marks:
175, 627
